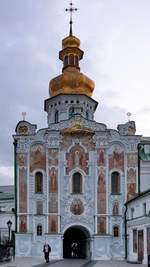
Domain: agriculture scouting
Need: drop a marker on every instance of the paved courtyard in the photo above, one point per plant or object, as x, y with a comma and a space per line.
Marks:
39, 262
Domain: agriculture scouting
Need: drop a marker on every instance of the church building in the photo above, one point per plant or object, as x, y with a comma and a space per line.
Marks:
73, 177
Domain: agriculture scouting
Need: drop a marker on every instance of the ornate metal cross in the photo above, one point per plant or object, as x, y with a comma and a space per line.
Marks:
71, 10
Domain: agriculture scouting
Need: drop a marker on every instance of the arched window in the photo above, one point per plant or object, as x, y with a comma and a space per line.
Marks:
56, 116
116, 231
66, 61
71, 59
39, 229
76, 60
115, 183
77, 183
71, 112
115, 208
38, 182
87, 115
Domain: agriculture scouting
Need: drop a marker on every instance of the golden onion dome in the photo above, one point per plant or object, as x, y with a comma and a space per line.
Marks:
71, 81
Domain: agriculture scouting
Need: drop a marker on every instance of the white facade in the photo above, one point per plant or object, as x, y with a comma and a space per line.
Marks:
138, 222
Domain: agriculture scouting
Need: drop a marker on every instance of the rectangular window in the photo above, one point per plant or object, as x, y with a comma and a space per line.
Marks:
134, 240
132, 213
144, 208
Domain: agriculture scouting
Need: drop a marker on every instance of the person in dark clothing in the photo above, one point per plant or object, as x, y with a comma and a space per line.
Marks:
46, 250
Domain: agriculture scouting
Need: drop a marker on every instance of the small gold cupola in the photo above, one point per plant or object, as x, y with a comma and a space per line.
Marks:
71, 81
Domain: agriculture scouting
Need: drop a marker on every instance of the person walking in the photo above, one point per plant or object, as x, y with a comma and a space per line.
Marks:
46, 250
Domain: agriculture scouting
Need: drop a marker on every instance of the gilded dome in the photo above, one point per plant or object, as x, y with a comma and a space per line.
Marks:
71, 81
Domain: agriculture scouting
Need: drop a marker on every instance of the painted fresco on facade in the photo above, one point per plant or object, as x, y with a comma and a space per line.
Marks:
53, 224
22, 189
101, 192
37, 158
101, 157
88, 142
66, 142
53, 190
23, 129
39, 208
116, 159
115, 210
77, 157
132, 160
53, 180
131, 183
22, 224
22, 159
53, 203
53, 157
101, 225
77, 207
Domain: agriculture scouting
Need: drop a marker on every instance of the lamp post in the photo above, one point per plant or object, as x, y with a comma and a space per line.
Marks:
9, 223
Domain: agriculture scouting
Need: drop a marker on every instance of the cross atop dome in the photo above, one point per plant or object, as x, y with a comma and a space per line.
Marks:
71, 10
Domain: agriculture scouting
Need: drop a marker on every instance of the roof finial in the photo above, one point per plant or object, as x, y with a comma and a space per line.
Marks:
24, 115
71, 10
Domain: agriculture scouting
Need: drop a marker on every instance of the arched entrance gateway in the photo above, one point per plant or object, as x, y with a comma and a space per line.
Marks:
76, 242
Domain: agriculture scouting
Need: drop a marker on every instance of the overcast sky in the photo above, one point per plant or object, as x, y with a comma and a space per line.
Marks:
115, 37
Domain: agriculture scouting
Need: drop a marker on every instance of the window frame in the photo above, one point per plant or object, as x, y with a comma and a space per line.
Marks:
74, 185
38, 184
115, 185
39, 230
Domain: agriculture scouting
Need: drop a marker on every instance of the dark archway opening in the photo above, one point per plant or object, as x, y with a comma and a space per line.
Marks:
76, 243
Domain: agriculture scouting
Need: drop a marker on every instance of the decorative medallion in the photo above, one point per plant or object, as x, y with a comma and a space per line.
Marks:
23, 129
77, 207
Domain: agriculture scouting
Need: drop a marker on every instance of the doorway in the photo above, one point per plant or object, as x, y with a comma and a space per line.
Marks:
140, 246
76, 243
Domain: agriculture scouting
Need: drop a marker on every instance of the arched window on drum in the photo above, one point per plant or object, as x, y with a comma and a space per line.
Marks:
77, 183
71, 59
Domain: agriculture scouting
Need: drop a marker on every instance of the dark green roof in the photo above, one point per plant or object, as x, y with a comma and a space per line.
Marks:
5, 196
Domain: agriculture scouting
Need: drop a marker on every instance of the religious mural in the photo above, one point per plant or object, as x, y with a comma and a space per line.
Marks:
22, 189
39, 208
37, 157
131, 183
88, 142
23, 129
101, 225
115, 210
77, 207
77, 158
53, 203
101, 192
53, 180
116, 159
22, 159
132, 160
101, 157
53, 157
52, 224
22, 224
53, 190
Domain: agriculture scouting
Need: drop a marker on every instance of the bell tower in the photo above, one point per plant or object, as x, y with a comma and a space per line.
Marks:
71, 92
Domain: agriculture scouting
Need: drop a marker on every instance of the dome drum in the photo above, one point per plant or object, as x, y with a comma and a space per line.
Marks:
69, 50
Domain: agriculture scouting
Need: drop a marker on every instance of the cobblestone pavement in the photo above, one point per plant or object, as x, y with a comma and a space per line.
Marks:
40, 262
117, 264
